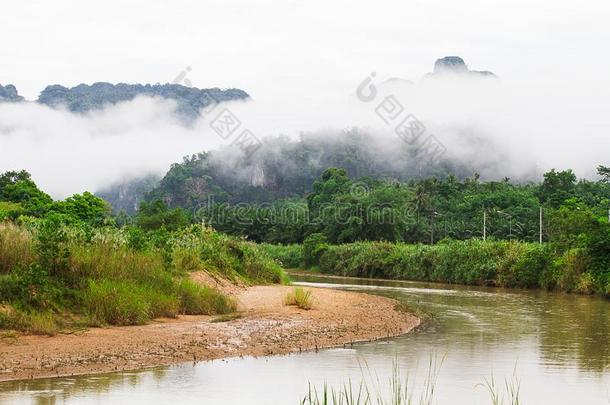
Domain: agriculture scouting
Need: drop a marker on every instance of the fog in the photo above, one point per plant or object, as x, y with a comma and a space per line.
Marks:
499, 127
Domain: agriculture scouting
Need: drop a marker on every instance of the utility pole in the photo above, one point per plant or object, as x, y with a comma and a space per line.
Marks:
484, 224
434, 214
541, 224
510, 223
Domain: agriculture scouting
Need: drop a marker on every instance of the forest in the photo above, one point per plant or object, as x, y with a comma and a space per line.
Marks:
553, 234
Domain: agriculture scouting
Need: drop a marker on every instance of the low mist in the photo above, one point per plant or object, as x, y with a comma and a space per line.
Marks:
495, 127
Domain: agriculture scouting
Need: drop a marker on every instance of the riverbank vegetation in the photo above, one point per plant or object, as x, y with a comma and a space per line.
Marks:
66, 264
488, 234
472, 262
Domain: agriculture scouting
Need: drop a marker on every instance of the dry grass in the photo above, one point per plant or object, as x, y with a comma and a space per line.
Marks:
299, 297
16, 247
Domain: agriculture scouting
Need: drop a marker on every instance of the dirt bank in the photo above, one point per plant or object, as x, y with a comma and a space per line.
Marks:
265, 327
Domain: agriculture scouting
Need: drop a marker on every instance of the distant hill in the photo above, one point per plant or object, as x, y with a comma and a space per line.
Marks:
9, 93
83, 97
456, 66
286, 168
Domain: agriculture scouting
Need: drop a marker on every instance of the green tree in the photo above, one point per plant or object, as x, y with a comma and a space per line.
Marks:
557, 187
85, 207
157, 215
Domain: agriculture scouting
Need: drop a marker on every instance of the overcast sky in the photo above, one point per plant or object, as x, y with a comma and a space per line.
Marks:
296, 46
549, 109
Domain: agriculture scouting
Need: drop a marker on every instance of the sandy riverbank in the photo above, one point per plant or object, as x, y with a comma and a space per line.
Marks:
265, 327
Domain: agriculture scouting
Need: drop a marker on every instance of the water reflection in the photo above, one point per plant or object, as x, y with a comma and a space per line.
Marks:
569, 330
50, 391
559, 344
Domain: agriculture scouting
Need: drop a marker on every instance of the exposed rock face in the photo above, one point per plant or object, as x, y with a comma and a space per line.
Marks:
455, 65
9, 93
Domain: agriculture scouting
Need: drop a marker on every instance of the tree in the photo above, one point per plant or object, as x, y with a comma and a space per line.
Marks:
557, 187
85, 207
604, 171
18, 187
156, 215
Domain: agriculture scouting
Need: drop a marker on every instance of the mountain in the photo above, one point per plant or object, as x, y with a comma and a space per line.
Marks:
83, 97
9, 93
454, 65
286, 168
126, 195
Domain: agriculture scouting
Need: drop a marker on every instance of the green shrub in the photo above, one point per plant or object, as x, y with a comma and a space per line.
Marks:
31, 287
585, 284
313, 247
287, 256
569, 267
476, 262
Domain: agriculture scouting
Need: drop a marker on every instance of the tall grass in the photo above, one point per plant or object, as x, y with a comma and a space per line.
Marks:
402, 391
369, 391
49, 269
16, 247
196, 299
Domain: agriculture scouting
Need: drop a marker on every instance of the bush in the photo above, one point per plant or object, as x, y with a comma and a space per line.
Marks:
31, 287
313, 247
287, 256
300, 298
570, 267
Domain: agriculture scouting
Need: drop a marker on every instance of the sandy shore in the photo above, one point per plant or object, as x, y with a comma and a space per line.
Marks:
265, 327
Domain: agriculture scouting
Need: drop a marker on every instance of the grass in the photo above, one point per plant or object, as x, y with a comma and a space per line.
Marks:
402, 391
16, 247
511, 394
369, 391
288, 256
37, 323
299, 297
197, 299
53, 276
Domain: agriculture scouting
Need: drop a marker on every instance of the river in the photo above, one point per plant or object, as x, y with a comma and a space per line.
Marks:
556, 345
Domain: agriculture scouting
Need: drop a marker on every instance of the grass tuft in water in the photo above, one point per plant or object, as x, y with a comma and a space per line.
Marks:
402, 391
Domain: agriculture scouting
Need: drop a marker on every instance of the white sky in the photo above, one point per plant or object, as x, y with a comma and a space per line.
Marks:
297, 58
296, 46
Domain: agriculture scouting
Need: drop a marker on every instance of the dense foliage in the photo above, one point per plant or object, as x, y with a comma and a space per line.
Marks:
421, 211
67, 263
